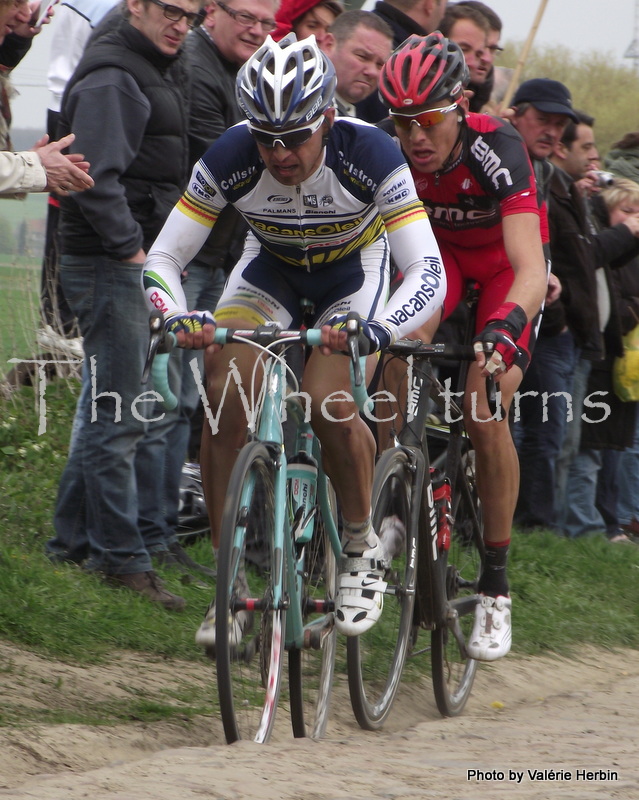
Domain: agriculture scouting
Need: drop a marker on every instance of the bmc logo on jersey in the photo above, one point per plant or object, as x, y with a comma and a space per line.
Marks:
397, 197
201, 193
491, 163
279, 199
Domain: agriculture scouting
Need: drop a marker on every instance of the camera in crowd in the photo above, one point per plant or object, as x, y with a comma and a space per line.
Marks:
603, 179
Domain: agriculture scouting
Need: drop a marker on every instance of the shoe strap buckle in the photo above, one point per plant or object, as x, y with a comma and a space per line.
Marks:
357, 564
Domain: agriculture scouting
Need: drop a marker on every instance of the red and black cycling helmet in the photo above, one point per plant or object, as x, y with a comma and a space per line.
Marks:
423, 69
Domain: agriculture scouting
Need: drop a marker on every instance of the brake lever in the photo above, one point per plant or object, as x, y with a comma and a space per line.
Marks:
352, 328
159, 342
491, 395
491, 386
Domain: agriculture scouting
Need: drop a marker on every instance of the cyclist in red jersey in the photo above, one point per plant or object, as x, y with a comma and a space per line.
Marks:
474, 176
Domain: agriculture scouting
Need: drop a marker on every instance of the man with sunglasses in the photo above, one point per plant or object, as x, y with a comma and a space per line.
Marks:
229, 34
130, 117
474, 176
324, 199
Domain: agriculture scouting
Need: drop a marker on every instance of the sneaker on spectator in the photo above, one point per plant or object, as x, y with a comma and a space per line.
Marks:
492, 632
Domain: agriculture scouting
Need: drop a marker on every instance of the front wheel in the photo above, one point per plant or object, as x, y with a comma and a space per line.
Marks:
311, 667
250, 624
376, 658
453, 671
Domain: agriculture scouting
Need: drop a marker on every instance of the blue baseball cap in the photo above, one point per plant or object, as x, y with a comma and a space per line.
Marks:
546, 95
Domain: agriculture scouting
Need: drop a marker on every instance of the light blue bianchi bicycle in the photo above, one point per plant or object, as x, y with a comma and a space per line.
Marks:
280, 546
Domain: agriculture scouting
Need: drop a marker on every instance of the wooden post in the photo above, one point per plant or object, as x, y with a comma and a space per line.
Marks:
514, 81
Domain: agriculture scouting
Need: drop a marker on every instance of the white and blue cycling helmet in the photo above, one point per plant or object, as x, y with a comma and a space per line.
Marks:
286, 84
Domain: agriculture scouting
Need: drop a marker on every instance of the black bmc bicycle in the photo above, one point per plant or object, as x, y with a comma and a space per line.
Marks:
425, 487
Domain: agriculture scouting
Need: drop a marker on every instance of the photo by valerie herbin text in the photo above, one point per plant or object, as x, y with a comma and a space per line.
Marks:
540, 775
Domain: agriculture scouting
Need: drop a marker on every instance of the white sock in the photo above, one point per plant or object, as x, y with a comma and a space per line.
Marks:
357, 535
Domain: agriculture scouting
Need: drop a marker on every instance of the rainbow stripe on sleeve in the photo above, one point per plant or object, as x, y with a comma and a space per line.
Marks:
189, 205
397, 218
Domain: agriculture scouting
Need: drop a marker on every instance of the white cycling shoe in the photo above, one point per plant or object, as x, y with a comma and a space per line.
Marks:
205, 634
238, 623
360, 589
492, 632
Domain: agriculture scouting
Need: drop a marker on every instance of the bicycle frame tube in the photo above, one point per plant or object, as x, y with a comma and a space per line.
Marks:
420, 378
270, 432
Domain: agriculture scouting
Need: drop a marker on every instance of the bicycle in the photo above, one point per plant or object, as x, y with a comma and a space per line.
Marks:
425, 485
286, 601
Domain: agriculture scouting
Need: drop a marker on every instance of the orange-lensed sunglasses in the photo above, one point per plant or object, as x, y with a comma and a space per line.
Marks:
425, 119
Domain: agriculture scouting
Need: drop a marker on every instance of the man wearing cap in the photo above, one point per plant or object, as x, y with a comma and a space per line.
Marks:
541, 109
569, 330
306, 17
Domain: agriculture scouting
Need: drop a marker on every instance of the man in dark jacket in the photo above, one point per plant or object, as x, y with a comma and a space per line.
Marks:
582, 255
405, 17
230, 33
130, 119
570, 326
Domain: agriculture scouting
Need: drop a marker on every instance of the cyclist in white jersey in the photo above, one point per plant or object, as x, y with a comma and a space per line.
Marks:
326, 201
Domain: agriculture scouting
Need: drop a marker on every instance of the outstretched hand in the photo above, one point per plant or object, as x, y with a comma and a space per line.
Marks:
65, 173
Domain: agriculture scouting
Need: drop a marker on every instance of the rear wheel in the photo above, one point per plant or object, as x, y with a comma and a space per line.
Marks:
311, 668
376, 658
249, 630
453, 672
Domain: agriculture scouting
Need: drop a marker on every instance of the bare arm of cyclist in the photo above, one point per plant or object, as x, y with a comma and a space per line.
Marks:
523, 247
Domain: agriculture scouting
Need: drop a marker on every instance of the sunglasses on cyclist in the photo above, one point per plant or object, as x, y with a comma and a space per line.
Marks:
193, 18
425, 119
290, 139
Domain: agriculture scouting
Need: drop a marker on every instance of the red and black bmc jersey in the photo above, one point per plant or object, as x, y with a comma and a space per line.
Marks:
491, 178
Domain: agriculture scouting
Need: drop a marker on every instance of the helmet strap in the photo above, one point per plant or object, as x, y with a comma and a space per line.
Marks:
325, 136
451, 156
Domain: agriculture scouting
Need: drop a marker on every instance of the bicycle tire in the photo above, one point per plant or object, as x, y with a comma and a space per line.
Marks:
311, 668
375, 659
249, 675
453, 672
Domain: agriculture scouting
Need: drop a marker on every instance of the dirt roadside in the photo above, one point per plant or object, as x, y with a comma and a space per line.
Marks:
536, 728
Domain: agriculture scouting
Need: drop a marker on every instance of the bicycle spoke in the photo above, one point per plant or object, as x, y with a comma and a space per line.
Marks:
376, 658
249, 630
311, 666
453, 671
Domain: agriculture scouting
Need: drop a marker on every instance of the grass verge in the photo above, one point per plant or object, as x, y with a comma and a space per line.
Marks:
566, 593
